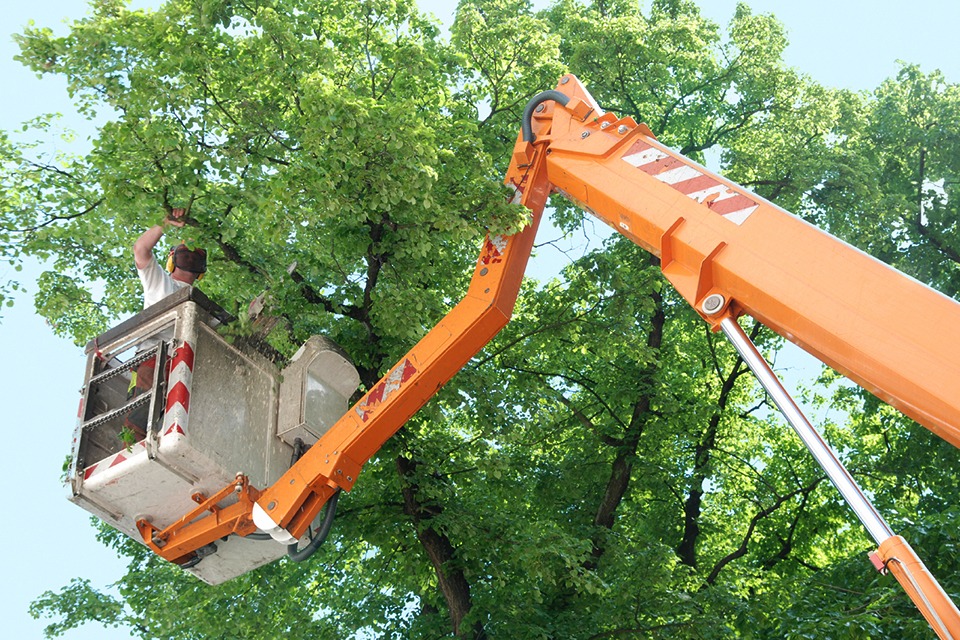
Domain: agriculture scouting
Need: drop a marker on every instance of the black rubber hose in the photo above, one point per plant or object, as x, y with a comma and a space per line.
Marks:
258, 536
535, 101
298, 450
299, 555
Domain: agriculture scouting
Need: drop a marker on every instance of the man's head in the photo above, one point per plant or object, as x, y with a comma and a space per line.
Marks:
186, 264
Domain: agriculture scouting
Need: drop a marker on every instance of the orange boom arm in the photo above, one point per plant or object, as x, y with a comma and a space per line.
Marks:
727, 251
287, 508
892, 335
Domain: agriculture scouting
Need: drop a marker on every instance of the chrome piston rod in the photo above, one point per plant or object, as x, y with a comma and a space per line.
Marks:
876, 526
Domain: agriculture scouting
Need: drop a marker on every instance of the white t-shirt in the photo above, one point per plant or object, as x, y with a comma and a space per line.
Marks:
157, 283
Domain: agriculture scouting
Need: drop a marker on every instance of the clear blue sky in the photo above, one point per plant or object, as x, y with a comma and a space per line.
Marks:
46, 541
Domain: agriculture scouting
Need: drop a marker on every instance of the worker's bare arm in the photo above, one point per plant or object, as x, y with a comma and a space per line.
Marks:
143, 247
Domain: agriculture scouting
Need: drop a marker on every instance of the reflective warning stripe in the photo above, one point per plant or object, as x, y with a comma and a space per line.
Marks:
732, 204
111, 461
379, 394
176, 410
178, 397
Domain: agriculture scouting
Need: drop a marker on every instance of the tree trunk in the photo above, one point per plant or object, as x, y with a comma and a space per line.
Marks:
622, 467
453, 583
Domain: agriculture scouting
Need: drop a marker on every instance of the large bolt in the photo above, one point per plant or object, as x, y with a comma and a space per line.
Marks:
585, 134
622, 129
713, 303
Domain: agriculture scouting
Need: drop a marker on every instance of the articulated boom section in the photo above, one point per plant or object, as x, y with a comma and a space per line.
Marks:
335, 461
287, 508
892, 335
726, 250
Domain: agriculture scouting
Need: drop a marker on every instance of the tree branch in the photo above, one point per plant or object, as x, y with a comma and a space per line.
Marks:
439, 549
53, 219
754, 521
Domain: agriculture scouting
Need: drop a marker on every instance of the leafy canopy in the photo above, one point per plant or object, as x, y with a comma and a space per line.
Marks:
605, 468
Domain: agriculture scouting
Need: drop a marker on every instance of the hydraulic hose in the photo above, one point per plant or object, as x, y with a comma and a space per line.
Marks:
317, 539
259, 536
299, 447
527, 125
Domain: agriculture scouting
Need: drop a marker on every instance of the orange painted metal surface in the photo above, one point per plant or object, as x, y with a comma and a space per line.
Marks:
937, 608
294, 501
335, 461
892, 335
889, 333
178, 542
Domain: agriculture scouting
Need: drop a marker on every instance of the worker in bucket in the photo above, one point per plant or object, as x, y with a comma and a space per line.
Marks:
184, 267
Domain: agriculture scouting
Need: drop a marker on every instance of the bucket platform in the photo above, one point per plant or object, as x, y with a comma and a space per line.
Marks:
171, 410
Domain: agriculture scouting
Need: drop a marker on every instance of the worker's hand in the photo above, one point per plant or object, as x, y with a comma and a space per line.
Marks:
175, 218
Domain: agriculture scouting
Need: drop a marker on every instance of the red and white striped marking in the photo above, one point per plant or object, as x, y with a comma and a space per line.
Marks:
493, 249
175, 415
394, 380
177, 409
112, 461
735, 206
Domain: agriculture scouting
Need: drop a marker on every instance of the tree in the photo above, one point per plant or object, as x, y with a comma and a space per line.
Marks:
604, 468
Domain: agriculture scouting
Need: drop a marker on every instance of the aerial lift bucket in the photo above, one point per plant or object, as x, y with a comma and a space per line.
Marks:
171, 413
